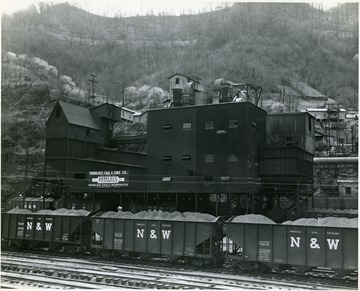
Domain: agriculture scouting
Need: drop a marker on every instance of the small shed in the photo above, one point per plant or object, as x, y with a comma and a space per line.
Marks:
348, 187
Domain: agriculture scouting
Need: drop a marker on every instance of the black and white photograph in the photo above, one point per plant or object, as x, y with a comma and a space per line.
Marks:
179, 145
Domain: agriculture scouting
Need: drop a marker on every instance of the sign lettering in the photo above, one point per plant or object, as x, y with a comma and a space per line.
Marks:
295, 242
333, 243
153, 234
166, 234
140, 233
109, 179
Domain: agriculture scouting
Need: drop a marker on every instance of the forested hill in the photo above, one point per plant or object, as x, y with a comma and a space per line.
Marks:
48, 53
261, 43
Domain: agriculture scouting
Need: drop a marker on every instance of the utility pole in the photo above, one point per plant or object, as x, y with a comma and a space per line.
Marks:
123, 94
352, 140
92, 80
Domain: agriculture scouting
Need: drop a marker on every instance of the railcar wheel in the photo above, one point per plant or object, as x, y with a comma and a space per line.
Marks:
236, 264
105, 253
197, 262
69, 250
262, 268
53, 246
19, 244
218, 263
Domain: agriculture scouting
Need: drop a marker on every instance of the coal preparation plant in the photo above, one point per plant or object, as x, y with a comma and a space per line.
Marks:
222, 155
216, 182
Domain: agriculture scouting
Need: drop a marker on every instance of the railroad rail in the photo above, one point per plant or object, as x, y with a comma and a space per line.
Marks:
59, 272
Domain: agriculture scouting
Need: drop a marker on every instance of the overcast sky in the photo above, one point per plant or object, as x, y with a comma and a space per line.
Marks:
139, 7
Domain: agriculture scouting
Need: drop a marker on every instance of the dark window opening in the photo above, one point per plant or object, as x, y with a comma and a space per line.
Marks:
208, 180
187, 126
209, 125
233, 123
89, 132
209, 158
167, 159
233, 158
177, 81
58, 112
348, 190
80, 176
167, 127
186, 157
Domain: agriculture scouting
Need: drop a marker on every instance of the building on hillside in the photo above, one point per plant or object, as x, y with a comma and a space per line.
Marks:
323, 114
288, 91
307, 91
140, 117
348, 186
127, 115
186, 90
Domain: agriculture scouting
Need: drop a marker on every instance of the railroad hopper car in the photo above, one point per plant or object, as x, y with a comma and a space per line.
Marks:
31, 203
54, 229
195, 237
303, 244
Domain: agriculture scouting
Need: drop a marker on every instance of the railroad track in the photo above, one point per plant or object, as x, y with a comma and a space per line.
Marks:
60, 273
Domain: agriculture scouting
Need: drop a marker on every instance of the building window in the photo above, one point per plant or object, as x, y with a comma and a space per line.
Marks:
209, 125
58, 112
167, 159
167, 127
209, 158
208, 181
89, 132
233, 158
187, 126
233, 123
177, 81
186, 157
348, 190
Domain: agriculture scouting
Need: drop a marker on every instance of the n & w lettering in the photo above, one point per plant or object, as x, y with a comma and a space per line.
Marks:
140, 233
166, 234
294, 242
48, 226
29, 225
333, 243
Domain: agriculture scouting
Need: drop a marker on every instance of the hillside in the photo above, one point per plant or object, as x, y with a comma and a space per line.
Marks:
49, 52
266, 44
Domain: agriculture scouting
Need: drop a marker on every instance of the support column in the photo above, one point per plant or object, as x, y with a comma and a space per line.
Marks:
93, 202
217, 204
196, 202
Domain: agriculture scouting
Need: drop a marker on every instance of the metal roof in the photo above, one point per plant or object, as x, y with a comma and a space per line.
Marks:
194, 78
78, 115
